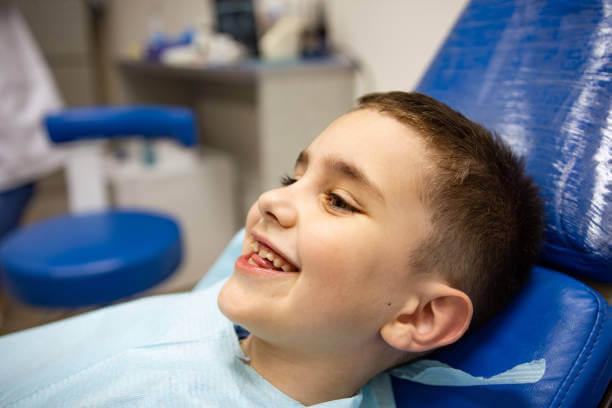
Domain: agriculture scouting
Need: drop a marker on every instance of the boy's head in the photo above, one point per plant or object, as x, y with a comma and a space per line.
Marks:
403, 222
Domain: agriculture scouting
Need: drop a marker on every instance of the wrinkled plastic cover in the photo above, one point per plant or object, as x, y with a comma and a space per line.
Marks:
540, 75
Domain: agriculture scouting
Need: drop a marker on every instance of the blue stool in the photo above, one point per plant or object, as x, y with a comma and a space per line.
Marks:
97, 257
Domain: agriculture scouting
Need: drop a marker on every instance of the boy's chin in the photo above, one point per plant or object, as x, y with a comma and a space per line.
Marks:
235, 301
254, 311
229, 301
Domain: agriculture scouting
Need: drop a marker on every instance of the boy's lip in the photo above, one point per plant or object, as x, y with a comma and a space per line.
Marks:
243, 265
263, 240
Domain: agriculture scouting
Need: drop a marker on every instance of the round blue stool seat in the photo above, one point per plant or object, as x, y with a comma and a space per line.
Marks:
89, 259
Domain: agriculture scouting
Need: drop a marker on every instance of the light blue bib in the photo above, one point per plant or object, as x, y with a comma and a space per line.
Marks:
176, 350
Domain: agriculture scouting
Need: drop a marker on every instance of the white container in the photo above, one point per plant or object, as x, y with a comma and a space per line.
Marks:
196, 188
282, 40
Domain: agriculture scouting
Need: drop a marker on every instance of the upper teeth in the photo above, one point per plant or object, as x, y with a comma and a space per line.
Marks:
270, 256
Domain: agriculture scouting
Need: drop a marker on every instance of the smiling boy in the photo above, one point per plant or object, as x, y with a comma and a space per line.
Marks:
402, 220
403, 225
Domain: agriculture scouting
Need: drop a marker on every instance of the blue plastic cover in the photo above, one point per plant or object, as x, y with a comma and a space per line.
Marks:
89, 259
122, 121
539, 73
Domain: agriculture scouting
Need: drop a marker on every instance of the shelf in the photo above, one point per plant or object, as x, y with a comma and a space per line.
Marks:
246, 72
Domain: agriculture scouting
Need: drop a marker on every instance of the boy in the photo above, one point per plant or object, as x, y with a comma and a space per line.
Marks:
403, 223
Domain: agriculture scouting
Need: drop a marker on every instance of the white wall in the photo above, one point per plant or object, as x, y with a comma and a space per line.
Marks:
60, 27
394, 40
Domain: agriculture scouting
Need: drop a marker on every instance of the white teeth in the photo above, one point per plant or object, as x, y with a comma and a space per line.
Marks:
251, 262
257, 248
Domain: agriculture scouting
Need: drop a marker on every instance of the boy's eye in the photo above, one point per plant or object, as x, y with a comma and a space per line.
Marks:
339, 203
333, 200
287, 180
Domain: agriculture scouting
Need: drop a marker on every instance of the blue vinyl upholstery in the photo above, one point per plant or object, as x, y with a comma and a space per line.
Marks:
90, 259
540, 75
122, 121
556, 318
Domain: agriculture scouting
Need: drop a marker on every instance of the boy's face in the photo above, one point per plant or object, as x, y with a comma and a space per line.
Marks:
347, 224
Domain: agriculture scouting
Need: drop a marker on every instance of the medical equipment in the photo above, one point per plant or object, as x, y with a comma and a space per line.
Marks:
97, 256
538, 74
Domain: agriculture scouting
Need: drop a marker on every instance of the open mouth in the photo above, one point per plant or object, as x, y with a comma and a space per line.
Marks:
262, 256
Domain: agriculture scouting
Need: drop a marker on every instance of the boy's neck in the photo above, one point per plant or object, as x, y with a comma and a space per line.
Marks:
314, 380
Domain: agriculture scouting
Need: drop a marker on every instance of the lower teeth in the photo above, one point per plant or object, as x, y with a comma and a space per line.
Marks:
274, 268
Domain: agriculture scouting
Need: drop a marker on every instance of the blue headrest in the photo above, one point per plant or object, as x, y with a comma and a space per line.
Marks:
539, 74
122, 121
555, 318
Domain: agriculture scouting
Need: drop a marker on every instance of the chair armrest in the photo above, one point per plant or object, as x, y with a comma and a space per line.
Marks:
122, 121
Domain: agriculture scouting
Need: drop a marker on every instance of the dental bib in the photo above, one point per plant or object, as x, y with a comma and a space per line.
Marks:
173, 350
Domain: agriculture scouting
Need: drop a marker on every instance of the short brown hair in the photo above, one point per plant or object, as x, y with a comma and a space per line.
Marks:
486, 212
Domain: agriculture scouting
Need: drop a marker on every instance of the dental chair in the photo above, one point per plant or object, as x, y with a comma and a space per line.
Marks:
96, 256
540, 75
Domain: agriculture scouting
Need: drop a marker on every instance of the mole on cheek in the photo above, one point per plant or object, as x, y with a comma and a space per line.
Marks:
388, 303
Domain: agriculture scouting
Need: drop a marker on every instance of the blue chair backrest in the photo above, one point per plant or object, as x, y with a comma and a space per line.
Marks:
539, 73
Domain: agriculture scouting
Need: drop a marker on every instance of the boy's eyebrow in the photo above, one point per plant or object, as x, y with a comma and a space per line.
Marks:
348, 170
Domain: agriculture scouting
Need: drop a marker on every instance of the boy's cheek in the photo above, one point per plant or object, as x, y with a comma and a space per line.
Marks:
349, 252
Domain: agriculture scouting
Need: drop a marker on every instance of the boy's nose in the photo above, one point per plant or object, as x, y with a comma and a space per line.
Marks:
275, 206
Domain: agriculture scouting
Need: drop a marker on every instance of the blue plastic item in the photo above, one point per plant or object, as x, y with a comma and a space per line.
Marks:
557, 319
89, 259
540, 75
112, 122
159, 42
100, 257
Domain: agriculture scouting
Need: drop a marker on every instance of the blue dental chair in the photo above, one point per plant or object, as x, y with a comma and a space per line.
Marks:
540, 75
97, 256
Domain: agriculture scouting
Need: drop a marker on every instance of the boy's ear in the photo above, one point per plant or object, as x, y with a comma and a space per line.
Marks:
438, 318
